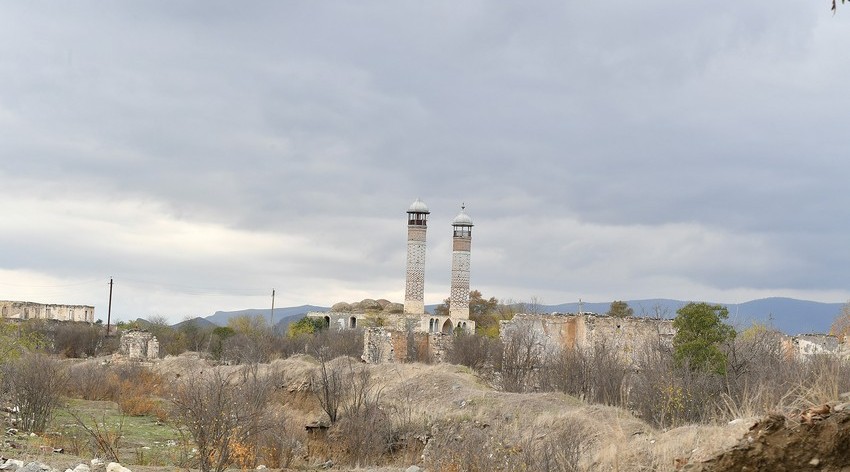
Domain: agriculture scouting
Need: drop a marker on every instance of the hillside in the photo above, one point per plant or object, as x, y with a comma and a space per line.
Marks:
282, 316
463, 421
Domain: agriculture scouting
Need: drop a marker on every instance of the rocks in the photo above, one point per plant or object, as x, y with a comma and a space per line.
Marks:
35, 467
413, 468
116, 467
11, 465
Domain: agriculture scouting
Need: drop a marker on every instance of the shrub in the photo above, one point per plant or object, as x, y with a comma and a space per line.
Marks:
475, 351
35, 383
222, 411
78, 340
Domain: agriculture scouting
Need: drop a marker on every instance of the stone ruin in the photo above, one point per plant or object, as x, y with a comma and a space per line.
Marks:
631, 335
139, 345
628, 336
388, 345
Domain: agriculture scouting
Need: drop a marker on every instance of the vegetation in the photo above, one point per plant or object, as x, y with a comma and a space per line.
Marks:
700, 336
245, 400
305, 326
620, 309
486, 312
841, 325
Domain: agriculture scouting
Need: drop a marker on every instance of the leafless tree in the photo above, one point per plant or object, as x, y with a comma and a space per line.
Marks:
220, 411
522, 358
35, 383
475, 351
327, 384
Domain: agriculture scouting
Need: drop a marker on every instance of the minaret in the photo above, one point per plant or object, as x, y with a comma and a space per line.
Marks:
414, 290
461, 245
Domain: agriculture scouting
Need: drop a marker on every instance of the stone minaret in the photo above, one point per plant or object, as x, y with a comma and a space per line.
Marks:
414, 290
461, 245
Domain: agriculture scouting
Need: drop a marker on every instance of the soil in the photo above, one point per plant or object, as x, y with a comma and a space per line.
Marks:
776, 443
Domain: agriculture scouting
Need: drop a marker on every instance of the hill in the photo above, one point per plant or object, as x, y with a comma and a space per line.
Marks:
282, 316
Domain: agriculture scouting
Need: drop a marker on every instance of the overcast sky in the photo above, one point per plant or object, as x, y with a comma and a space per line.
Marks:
203, 153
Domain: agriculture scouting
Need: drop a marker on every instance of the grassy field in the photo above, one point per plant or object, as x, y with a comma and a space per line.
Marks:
98, 429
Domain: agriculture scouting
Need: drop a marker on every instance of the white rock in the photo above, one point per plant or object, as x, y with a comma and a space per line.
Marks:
413, 468
116, 467
82, 468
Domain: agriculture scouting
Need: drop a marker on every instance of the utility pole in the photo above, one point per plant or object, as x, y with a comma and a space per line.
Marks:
109, 310
271, 316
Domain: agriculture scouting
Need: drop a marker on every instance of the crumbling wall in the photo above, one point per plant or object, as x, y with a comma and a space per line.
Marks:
554, 332
805, 345
139, 345
46, 311
383, 345
379, 346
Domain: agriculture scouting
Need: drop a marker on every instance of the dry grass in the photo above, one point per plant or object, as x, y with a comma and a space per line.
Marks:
461, 417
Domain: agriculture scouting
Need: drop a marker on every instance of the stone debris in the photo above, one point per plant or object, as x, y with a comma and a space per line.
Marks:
14, 465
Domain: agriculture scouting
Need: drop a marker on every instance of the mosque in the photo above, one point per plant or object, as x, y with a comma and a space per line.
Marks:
387, 320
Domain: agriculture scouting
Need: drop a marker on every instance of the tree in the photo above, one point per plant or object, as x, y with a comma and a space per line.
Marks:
620, 309
306, 325
700, 333
222, 412
841, 325
35, 383
15, 341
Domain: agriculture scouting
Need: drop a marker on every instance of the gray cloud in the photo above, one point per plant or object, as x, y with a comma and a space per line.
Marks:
651, 149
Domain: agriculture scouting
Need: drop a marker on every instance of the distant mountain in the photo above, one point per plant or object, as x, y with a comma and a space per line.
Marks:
788, 315
282, 316
201, 323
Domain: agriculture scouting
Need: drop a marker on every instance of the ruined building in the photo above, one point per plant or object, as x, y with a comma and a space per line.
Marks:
138, 345
550, 333
46, 311
395, 335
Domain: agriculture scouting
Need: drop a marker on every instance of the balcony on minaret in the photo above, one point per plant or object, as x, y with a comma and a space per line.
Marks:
464, 232
417, 219
417, 214
462, 224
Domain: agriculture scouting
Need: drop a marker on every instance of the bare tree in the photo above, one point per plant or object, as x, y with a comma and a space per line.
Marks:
522, 357
474, 351
35, 383
327, 385
221, 411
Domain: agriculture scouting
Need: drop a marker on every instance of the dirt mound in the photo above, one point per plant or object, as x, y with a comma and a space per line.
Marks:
818, 441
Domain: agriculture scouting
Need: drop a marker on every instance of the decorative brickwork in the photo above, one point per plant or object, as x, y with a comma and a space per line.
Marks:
459, 300
414, 291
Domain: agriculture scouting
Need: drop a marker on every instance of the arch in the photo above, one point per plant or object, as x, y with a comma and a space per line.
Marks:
352, 322
447, 327
431, 325
464, 325
327, 322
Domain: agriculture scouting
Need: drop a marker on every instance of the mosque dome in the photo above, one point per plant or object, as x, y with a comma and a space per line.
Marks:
418, 207
462, 219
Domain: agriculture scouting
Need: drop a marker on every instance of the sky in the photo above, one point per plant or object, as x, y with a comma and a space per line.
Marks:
204, 153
